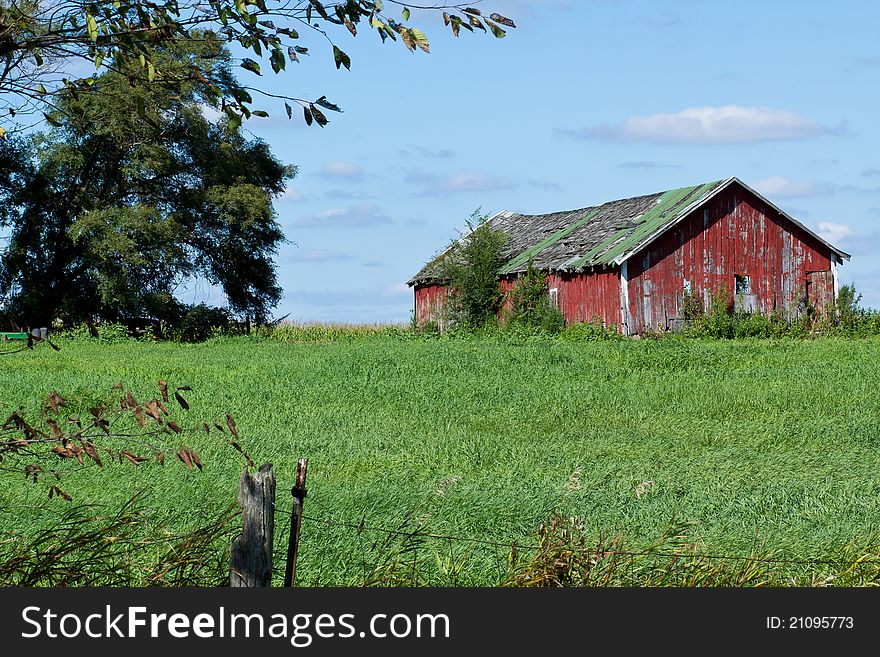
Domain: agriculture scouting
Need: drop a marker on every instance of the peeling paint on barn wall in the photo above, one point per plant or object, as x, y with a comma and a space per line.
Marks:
430, 303
734, 234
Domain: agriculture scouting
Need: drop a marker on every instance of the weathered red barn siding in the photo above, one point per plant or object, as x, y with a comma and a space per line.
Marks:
589, 296
582, 297
430, 301
735, 233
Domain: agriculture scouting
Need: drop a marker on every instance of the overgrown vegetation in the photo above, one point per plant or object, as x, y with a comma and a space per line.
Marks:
845, 317
530, 305
470, 267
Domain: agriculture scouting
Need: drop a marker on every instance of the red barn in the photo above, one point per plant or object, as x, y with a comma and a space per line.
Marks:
628, 263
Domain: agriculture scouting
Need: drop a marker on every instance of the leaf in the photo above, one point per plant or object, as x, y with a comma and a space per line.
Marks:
308, 115
187, 388
291, 52
162, 406
497, 31
420, 39
173, 426
276, 59
152, 409
189, 457
476, 23
498, 18
250, 65
231, 424
137, 460
54, 402
151, 71
406, 14
160, 458
323, 102
289, 110
92, 27
183, 455
180, 400
163, 388
234, 122
320, 119
92, 453
350, 26
341, 59
471, 10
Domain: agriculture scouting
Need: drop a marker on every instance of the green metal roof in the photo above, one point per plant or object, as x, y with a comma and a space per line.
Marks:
599, 236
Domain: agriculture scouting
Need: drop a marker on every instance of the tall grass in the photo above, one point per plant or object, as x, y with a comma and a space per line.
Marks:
487, 437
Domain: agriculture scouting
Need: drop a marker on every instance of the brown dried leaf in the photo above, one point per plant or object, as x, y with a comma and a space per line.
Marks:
231, 424
92, 453
160, 458
173, 426
53, 426
54, 402
250, 461
162, 407
137, 460
152, 409
180, 400
183, 455
163, 388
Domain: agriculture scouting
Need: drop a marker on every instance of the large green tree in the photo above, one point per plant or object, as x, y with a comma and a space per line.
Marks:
133, 191
43, 43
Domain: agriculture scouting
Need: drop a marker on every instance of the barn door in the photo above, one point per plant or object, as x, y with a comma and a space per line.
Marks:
819, 289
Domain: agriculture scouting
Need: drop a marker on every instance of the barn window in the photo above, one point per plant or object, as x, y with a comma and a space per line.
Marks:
742, 284
554, 297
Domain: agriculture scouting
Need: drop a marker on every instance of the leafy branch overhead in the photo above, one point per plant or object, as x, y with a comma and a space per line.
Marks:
125, 431
41, 43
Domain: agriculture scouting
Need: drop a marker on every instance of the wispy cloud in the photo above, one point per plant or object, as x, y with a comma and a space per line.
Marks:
348, 195
870, 172
357, 216
319, 255
292, 195
782, 187
729, 124
647, 164
546, 185
428, 153
834, 232
341, 170
467, 181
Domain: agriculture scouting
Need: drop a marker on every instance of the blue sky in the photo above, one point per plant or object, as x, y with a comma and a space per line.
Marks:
583, 103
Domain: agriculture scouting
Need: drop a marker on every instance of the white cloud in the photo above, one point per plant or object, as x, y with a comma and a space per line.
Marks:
341, 170
782, 187
293, 195
466, 181
728, 124
318, 255
833, 232
397, 289
356, 216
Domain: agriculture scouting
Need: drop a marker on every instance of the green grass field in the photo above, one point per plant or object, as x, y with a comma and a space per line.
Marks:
486, 438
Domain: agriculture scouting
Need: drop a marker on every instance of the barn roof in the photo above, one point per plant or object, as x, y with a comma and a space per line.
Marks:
602, 235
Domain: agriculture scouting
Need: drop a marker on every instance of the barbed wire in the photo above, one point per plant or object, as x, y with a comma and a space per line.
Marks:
362, 527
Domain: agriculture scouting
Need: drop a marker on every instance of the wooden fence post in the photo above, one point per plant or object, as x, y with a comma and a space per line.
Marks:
250, 562
299, 494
